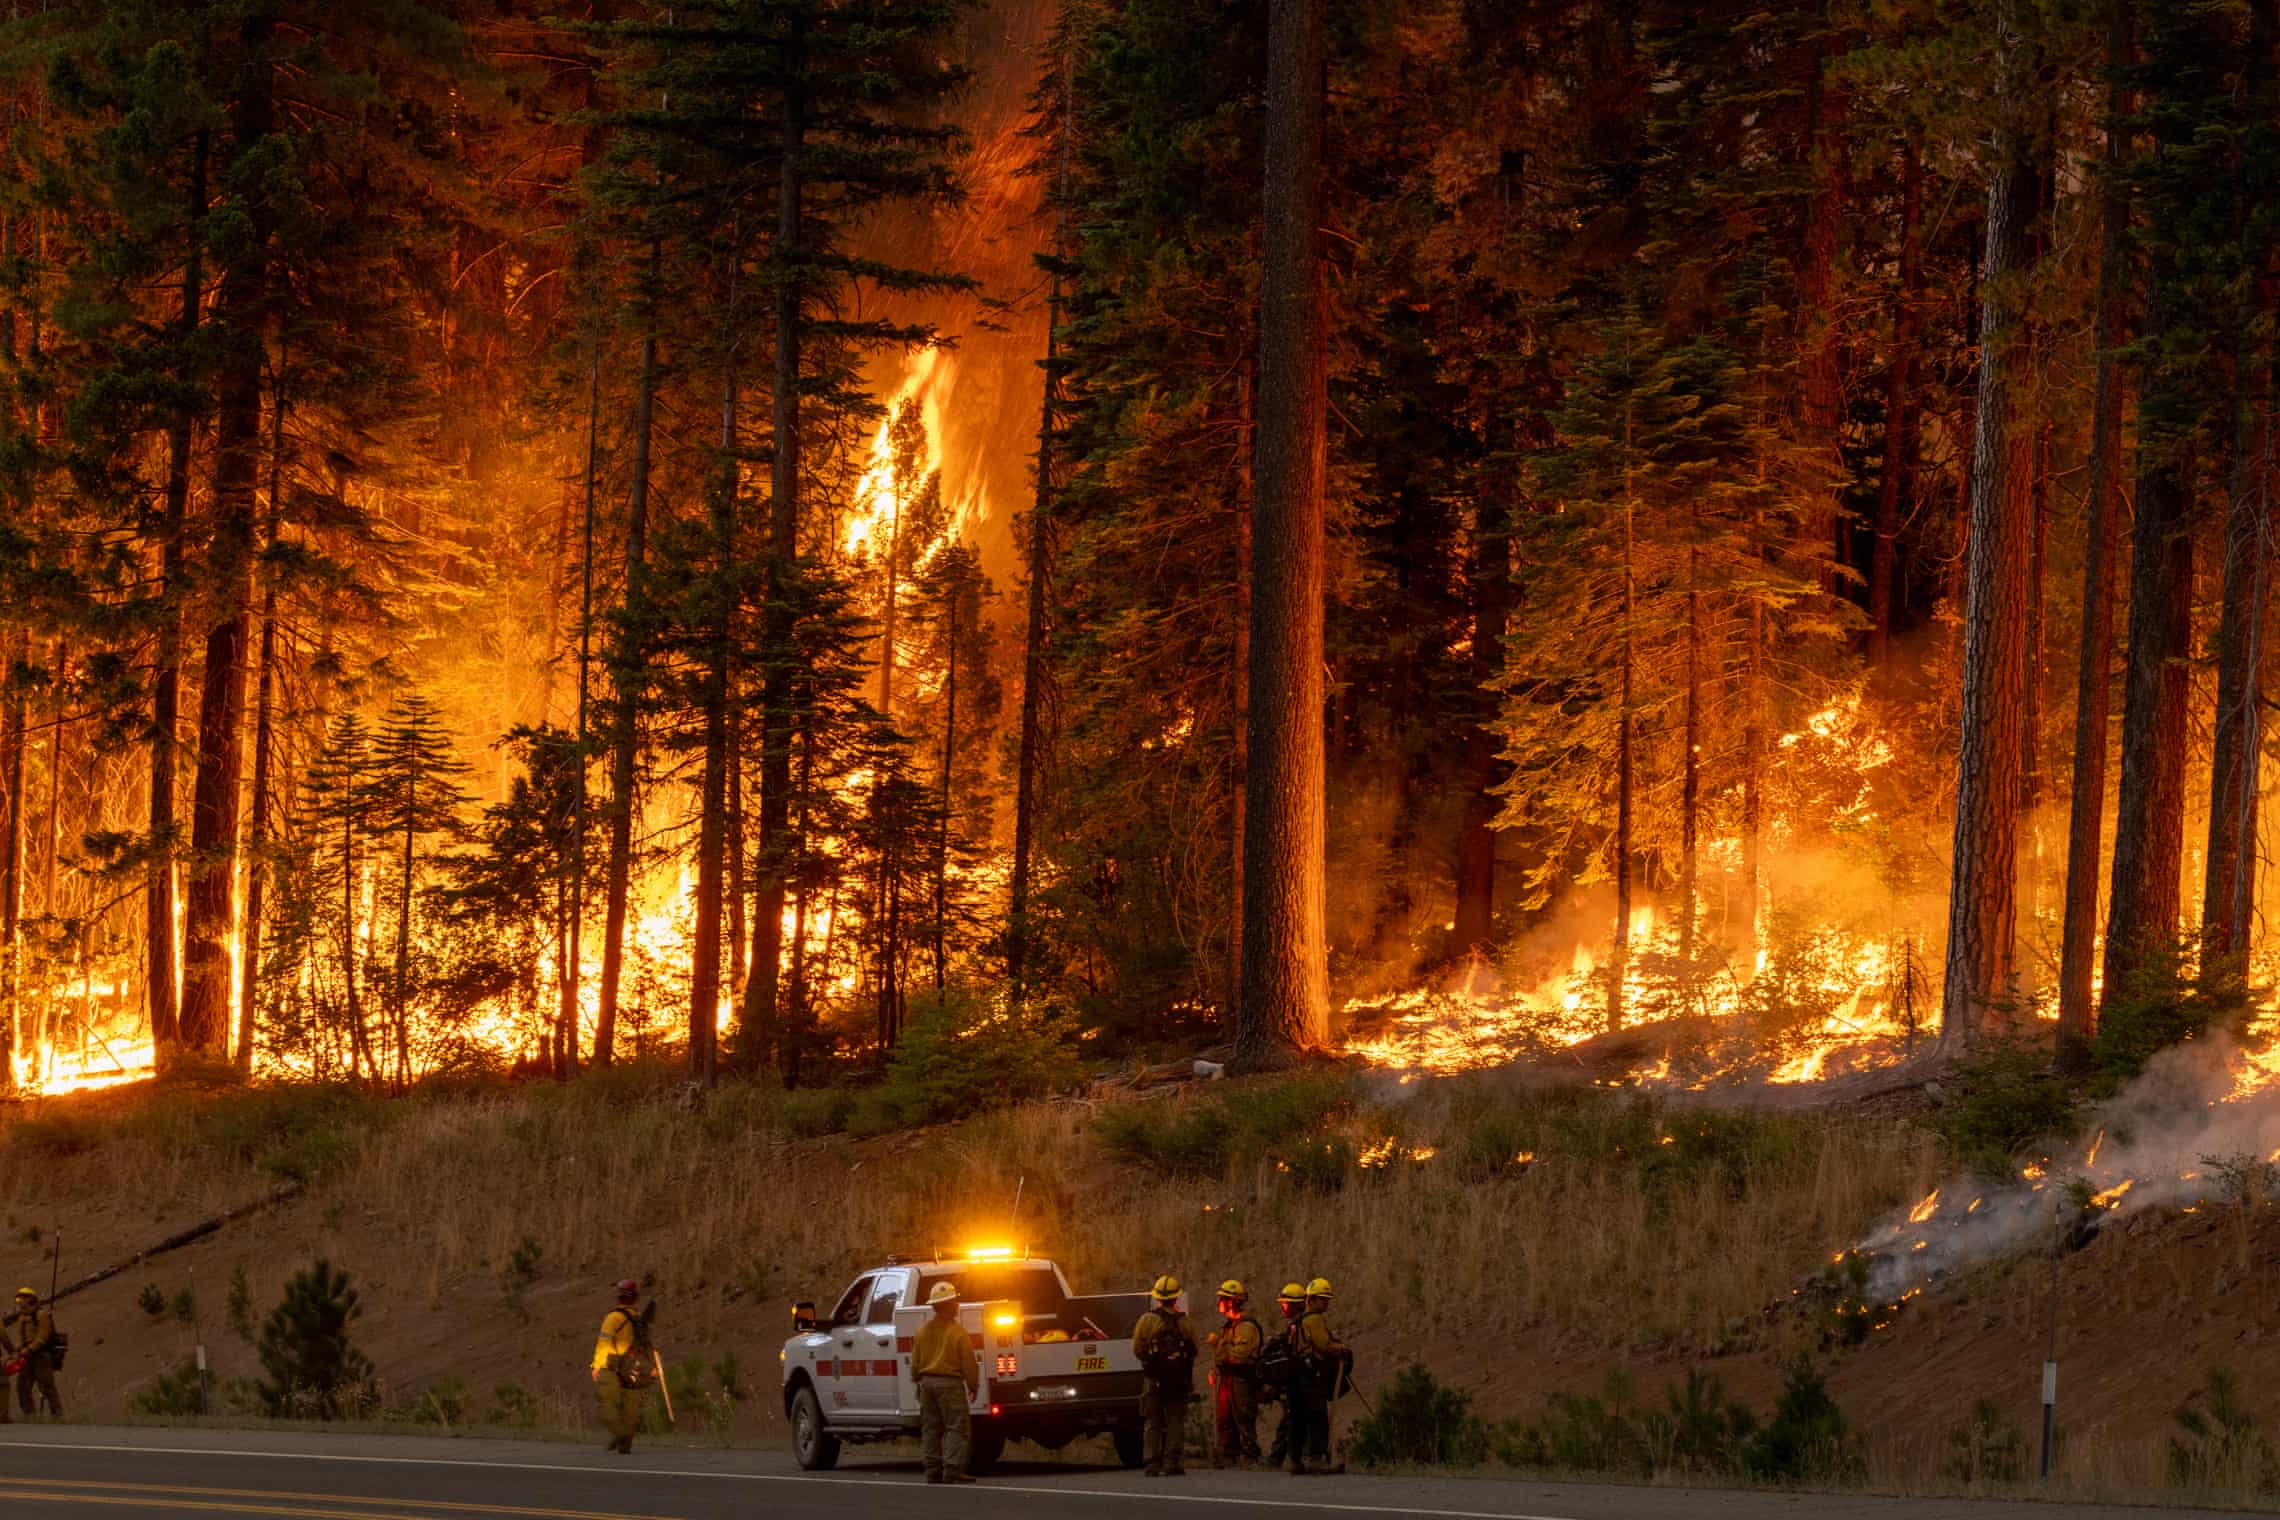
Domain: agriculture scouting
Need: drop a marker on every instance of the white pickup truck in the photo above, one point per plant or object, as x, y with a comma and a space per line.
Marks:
1055, 1365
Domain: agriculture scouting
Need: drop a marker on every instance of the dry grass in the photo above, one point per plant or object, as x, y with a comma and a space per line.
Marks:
1605, 1235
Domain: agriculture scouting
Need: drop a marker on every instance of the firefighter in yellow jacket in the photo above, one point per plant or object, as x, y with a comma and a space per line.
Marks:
620, 1378
1326, 1362
1165, 1348
942, 1364
1235, 1347
36, 1347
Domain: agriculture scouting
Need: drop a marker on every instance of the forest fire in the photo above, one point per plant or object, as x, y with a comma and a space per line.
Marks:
2201, 1126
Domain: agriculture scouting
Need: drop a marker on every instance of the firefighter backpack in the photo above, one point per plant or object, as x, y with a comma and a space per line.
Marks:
1169, 1357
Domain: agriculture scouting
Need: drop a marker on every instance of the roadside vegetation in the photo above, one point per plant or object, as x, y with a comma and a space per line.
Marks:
1653, 1241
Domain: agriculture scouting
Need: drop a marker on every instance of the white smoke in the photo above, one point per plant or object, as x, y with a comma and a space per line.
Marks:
2201, 1124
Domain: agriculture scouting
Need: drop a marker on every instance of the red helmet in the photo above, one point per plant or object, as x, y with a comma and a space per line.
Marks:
628, 1290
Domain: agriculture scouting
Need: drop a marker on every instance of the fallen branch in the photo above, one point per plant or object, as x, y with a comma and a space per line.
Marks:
181, 1238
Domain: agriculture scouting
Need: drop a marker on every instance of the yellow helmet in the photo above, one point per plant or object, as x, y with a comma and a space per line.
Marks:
1294, 1291
944, 1293
1233, 1288
1319, 1288
1167, 1287
27, 1293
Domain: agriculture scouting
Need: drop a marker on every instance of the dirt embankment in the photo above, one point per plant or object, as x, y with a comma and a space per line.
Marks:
483, 1228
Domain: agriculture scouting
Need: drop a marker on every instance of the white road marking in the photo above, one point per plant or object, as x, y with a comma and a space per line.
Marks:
833, 1481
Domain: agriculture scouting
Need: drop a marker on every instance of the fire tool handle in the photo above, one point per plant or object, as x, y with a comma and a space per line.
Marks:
665, 1391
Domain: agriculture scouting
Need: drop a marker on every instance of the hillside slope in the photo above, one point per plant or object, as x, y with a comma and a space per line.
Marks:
1516, 1238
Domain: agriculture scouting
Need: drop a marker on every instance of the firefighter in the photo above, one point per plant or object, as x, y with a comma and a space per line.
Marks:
1235, 1348
36, 1348
1165, 1347
942, 1361
1324, 1365
1290, 1430
621, 1368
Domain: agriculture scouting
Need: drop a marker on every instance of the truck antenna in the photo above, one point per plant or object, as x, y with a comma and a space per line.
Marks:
1014, 1219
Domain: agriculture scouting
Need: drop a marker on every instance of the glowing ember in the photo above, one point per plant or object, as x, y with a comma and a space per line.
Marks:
1924, 1210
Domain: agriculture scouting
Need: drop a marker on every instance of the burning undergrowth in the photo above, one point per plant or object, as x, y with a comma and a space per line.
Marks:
2200, 1127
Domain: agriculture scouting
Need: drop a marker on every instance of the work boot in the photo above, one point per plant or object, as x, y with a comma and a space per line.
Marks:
934, 1477
957, 1477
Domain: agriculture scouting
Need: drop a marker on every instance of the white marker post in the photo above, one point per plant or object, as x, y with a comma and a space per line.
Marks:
2050, 1353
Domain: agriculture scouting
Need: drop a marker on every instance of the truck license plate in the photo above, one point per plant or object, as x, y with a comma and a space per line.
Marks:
1092, 1364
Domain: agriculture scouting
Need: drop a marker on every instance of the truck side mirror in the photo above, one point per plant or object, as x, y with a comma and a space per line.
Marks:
803, 1316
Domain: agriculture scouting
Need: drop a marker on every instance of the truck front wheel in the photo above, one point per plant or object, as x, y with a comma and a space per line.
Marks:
983, 1454
816, 1448
1131, 1448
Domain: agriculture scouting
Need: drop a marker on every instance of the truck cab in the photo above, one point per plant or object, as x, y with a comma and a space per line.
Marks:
1055, 1365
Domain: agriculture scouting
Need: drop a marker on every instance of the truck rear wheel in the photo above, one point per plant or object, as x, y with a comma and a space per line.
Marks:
983, 1453
1131, 1448
816, 1448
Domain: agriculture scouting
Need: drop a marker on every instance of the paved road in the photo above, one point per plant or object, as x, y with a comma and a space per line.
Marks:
80, 1472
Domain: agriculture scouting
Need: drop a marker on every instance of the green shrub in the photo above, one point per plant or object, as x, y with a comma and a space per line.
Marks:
1807, 1437
184, 1307
513, 1404
314, 1372
1173, 1139
2010, 1104
1700, 1430
240, 1307
2161, 1002
2219, 1443
54, 1136
176, 1394
294, 1131
441, 1403
520, 1272
809, 1113
1420, 1422
959, 1057
1256, 1123
1588, 1433
1987, 1448
152, 1301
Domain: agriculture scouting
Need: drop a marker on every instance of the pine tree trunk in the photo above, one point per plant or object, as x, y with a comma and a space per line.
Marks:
215, 799
712, 822
264, 736
1285, 991
1033, 676
2234, 769
567, 1014
1983, 904
887, 611
163, 990
1823, 394
360, 1042
402, 998
1619, 964
12, 745
1690, 784
762, 1040
942, 824
1475, 918
1899, 408
2149, 818
626, 679
1753, 771
2102, 537
1035, 632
